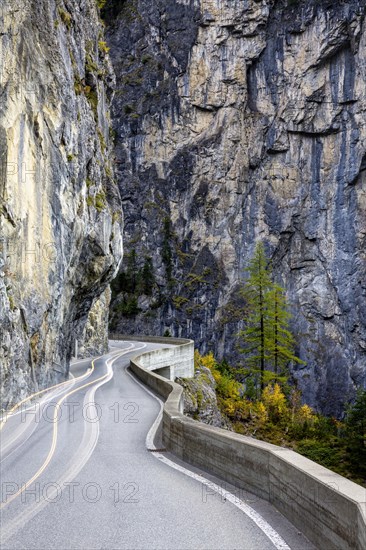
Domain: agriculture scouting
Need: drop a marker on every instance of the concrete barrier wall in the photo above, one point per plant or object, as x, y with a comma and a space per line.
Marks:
329, 509
179, 357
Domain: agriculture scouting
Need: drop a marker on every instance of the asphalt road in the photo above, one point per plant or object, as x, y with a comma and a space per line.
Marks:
76, 473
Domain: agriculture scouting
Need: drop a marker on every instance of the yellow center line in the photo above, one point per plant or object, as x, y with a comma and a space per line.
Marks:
15, 407
54, 439
55, 426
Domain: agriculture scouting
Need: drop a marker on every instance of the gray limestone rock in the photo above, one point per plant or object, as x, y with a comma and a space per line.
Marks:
237, 121
60, 209
200, 400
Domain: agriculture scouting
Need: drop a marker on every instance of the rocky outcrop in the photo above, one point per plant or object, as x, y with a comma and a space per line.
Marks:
236, 121
94, 340
200, 401
60, 213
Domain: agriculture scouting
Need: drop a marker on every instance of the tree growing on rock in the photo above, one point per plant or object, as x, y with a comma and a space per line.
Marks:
356, 433
268, 344
256, 333
281, 342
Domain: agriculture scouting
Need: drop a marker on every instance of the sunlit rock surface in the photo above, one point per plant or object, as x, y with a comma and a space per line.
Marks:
60, 213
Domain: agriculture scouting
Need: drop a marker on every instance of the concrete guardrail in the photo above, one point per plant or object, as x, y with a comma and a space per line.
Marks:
328, 508
171, 362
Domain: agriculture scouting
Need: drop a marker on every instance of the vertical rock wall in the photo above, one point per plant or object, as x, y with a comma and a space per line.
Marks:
60, 212
94, 339
236, 121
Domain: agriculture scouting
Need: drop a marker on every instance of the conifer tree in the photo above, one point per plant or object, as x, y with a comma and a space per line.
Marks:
255, 293
147, 276
131, 272
268, 342
356, 433
281, 341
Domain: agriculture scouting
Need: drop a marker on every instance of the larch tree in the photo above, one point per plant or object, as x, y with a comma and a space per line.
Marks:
281, 342
255, 292
268, 342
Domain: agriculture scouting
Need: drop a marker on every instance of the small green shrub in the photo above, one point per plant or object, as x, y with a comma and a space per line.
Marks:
129, 306
65, 18
326, 453
103, 48
130, 11
146, 58
90, 64
101, 140
179, 301
11, 302
92, 97
78, 87
128, 109
100, 201
116, 216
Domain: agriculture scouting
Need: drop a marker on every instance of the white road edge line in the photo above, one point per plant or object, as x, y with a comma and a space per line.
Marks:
59, 391
86, 446
263, 525
55, 392
40, 402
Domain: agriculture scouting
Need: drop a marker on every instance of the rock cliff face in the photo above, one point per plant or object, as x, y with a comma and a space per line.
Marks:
236, 121
60, 213
94, 339
200, 401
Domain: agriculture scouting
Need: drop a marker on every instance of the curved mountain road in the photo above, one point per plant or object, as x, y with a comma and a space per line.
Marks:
76, 474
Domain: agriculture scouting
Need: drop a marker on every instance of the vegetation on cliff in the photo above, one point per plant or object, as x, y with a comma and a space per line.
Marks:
211, 153
268, 342
200, 396
279, 417
258, 396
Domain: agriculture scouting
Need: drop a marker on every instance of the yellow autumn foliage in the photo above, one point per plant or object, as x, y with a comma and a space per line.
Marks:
261, 412
305, 413
197, 359
274, 401
208, 361
229, 407
226, 387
